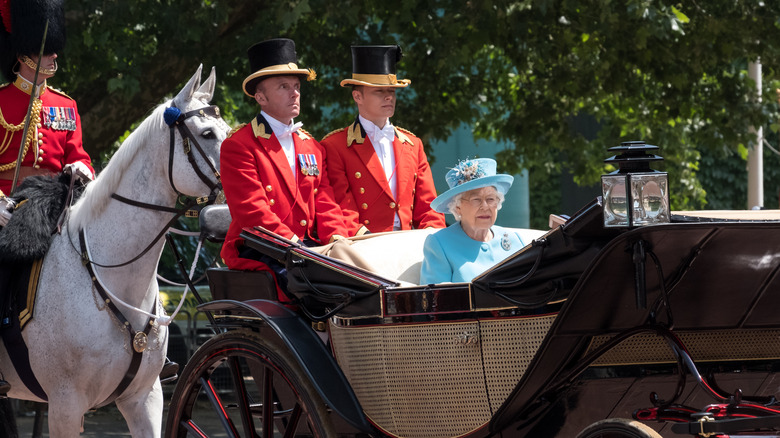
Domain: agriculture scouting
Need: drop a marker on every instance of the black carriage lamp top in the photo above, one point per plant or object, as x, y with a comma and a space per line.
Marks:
635, 195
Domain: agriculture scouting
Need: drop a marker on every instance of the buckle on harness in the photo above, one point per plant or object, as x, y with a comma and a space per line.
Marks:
703, 419
192, 213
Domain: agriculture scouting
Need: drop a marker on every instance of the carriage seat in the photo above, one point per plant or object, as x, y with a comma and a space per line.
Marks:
394, 255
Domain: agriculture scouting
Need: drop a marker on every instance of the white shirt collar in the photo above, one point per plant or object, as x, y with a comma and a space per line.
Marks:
280, 129
375, 132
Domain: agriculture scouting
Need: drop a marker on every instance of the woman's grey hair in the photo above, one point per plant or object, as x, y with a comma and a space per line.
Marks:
454, 202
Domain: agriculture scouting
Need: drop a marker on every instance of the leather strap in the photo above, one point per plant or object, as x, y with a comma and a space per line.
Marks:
135, 362
24, 172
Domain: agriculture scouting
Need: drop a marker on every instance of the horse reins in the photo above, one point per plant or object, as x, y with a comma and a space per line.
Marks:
174, 118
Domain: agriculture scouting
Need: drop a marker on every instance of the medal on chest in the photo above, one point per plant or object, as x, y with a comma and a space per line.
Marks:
308, 164
59, 118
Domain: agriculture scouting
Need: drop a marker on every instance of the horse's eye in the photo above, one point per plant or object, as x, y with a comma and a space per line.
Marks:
208, 134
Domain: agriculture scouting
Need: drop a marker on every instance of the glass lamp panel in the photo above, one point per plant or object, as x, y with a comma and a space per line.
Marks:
613, 188
650, 198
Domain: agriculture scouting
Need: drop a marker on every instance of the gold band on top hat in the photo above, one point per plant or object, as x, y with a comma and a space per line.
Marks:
376, 80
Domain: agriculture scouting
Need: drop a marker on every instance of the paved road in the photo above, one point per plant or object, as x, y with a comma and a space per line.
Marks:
105, 422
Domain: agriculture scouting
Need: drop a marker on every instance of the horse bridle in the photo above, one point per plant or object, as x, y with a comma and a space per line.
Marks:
174, 118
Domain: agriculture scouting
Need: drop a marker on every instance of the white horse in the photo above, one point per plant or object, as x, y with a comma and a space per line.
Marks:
78, 351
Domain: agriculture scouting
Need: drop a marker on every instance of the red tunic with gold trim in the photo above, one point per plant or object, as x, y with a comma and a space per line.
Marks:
260, 189
360, 184
55, 127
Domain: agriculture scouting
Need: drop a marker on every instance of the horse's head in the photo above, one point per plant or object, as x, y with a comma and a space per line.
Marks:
178, 155
197, 131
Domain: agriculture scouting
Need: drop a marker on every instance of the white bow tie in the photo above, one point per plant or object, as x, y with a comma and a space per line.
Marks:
288, 130
388, 132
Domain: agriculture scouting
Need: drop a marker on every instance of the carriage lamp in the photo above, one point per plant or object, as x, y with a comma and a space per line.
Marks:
634, 195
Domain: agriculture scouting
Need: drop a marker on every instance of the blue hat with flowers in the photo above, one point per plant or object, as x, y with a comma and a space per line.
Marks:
468, 175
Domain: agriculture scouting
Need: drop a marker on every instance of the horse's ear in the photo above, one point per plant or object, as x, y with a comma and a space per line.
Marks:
207, 88
185, 95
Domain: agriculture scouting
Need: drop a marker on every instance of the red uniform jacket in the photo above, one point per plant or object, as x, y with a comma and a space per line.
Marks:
261, 190
361, 187
57, 136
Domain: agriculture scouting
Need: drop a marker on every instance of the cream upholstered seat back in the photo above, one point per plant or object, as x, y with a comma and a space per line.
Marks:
394, 255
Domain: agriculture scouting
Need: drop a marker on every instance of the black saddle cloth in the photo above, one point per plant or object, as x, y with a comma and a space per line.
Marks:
40, 201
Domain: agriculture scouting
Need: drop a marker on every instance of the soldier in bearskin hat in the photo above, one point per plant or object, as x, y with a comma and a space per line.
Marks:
53, 140
379, 172
271, 169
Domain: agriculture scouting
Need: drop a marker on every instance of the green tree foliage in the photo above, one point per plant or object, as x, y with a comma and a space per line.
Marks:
671, 73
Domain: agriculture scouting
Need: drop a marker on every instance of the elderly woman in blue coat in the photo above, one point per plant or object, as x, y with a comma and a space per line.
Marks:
474, 243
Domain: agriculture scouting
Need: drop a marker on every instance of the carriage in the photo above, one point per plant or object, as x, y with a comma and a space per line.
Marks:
590, 331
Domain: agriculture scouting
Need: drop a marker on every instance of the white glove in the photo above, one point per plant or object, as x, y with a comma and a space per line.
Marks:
79, 169
6, 210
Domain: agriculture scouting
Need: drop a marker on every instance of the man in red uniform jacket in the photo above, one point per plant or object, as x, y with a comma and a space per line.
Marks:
53, 140
379, 172
271, 169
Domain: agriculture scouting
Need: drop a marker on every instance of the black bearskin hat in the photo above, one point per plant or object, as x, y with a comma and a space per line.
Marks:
21, 30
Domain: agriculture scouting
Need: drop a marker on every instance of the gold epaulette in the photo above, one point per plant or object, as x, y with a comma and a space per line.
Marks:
333, 132
306, 135
405, 130
402, 134
233, 131
58, 91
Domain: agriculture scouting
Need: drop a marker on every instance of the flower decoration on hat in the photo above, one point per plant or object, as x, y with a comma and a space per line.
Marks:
312, 75
470, 174
467, 170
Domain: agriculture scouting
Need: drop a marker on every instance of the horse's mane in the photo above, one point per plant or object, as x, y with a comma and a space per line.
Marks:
98, 193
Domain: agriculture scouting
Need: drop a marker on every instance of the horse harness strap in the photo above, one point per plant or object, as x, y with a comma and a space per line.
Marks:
175, 119
138, 339
159, 235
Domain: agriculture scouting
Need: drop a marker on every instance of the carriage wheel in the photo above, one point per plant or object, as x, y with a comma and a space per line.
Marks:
618, 428
240, 384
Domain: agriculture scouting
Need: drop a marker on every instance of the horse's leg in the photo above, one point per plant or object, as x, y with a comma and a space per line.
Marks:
66, 413
143, 412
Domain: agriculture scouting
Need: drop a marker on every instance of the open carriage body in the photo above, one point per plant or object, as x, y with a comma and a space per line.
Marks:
674, 325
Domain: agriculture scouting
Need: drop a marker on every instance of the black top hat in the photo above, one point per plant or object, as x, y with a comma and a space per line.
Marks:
21, 30
374, 66
273, 57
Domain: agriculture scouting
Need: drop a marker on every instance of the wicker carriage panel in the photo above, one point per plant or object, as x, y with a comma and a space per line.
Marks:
508, 347
719, 345
428, 380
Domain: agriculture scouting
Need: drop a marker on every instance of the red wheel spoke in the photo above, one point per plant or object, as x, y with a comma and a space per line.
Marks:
216, 403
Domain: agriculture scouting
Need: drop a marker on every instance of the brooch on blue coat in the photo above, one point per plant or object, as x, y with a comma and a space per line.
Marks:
505, 243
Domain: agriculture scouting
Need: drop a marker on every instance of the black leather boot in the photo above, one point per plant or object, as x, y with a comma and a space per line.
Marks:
169, 372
